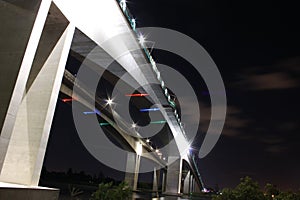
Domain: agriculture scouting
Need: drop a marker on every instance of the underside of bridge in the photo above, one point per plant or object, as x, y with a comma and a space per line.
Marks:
46, 46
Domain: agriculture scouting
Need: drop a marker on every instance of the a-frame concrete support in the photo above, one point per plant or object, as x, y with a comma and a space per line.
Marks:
27, 121
25, 132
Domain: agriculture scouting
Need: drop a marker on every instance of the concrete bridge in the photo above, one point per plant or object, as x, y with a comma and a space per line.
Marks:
37, 37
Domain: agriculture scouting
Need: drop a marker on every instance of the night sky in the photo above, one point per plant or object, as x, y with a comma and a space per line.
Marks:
255, 45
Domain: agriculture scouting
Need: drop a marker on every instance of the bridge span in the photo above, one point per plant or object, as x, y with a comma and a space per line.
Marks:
40, 37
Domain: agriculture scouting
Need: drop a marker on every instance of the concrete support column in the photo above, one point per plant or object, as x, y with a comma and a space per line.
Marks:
20, 33
27, 143
186, 184
163, 184
174, 174
155, 186
132, 170
192, 184
156, 180
130, 165
136, 172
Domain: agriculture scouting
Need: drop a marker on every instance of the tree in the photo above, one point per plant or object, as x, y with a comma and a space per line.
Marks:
226, 194
246, 190
74, 192
106, 191
287, 196
249, 190
271, 191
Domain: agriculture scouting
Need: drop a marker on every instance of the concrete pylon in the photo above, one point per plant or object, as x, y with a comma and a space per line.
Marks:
163, 184
174, 174
156, 180
192, 184
23, 156
31, 97
136, 172
19, 45
132, 170
186, 184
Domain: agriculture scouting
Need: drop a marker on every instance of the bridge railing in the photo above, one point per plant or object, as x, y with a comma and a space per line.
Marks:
132, 22
197, 171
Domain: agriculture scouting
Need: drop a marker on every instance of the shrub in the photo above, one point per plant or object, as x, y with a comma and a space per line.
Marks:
106, 191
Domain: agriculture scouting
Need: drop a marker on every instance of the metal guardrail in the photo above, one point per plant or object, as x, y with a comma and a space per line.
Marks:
197, 171
132, 23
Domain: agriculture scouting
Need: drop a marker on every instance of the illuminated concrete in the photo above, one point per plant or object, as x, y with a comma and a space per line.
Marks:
65, 88
192, 182
132, 168
136, 172
21, 192
186, 184
130, 62
156, 176
163, 184
25, 143
98, 12
174, 174
194, 186
17, 20
35, 75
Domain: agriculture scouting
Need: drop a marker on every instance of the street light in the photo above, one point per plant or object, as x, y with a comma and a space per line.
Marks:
133, 24
123, 5
139, 148
142, 39
109, 101
133, 125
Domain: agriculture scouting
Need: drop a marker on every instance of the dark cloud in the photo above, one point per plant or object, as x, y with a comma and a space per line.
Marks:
276, 149
271, 81
282, 75
234, 123
272, 139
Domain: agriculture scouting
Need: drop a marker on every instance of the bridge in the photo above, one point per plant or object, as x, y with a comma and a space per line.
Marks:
40, 37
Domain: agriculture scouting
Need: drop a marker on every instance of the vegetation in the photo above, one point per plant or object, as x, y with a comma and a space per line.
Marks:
74, 192
106, 191
249, 190
71, 177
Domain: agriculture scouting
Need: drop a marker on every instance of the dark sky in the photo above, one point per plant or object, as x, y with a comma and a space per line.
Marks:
255, 45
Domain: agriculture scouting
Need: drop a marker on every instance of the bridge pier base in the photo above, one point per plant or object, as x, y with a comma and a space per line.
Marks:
17, 192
